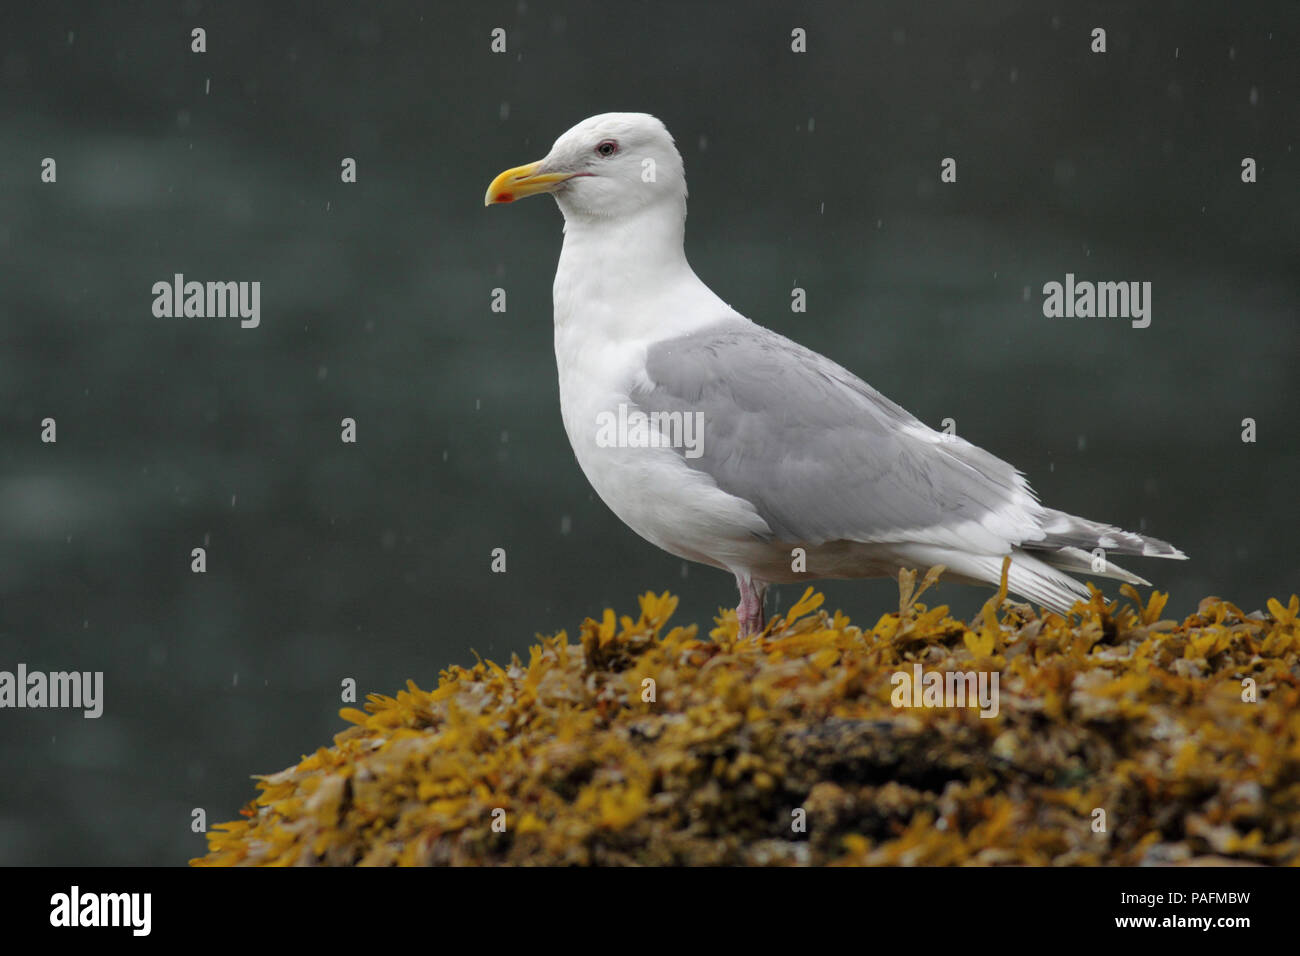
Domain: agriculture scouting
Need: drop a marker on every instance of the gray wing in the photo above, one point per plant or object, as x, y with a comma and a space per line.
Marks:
821, 455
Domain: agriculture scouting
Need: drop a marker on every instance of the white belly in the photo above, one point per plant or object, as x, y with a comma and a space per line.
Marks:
651, 489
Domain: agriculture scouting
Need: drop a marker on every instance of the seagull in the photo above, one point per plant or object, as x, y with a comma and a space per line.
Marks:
730, 445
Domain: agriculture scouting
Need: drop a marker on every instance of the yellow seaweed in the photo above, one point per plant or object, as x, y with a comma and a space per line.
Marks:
1120, 738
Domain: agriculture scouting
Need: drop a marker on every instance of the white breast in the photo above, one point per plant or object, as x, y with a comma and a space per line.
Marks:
600, 349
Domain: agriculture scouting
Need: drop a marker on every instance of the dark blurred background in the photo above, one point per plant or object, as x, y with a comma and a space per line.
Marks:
821, 170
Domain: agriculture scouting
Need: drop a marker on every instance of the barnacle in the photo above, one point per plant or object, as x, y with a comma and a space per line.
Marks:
1120, 738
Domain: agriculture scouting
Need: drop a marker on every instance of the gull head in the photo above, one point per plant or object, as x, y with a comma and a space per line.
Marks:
608, 166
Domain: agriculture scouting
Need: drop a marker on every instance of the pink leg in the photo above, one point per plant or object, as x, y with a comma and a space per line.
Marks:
750, 613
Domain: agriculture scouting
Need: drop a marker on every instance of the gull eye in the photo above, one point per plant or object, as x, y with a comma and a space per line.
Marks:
607, 147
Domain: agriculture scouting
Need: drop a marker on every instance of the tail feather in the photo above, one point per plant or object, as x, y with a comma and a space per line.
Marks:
1039, 567
1029, 576
1035, 579
1064, 531
1078, 561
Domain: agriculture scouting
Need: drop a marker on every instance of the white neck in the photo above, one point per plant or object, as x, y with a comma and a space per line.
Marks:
627, 277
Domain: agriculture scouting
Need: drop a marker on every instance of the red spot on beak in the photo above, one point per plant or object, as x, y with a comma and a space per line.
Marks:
505, 197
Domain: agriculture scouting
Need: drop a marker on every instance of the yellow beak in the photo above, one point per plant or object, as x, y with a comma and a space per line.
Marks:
522, 181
